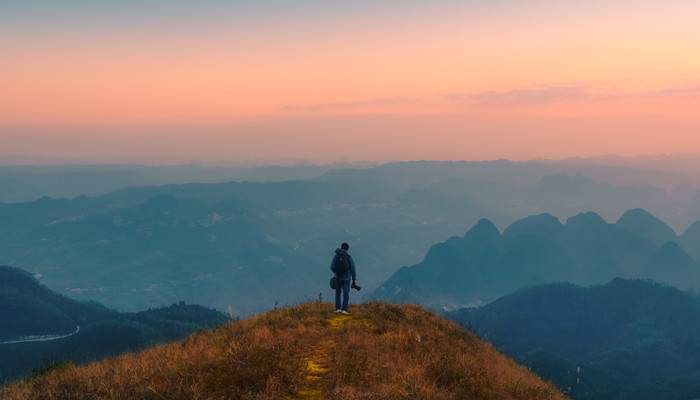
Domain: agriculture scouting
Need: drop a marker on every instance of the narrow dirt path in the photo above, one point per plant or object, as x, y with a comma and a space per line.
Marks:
317, 363
316, 367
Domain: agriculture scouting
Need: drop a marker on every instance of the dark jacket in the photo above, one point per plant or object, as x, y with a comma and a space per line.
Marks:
351, 270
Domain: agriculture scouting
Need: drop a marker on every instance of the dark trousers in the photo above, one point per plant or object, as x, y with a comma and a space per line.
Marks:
345, 287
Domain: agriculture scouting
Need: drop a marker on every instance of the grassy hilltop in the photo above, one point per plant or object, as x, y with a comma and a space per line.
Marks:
379, 351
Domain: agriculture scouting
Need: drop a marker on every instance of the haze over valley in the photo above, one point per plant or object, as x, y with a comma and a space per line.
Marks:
247, 246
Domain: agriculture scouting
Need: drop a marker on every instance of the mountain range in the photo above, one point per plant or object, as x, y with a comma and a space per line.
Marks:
486, 264
25, 183
627, 339
243, 247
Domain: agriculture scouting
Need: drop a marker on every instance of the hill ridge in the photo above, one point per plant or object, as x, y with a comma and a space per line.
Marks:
379, 351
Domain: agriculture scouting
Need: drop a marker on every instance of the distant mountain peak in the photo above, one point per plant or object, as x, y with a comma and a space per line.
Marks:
647, 226
483, 231
585, 220
536, 224
671, 262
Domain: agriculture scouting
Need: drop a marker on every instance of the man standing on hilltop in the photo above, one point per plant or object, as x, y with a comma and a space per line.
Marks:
343, 268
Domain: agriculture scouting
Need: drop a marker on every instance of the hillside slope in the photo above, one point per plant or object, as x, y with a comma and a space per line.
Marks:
40, 327
380, 351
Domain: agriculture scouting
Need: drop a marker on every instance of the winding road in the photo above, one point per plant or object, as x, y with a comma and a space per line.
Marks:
40, 338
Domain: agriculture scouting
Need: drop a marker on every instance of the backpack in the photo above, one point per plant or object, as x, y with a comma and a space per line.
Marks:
341, 265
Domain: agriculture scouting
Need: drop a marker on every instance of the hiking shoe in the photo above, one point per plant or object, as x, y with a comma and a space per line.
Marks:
338, 310
345, 312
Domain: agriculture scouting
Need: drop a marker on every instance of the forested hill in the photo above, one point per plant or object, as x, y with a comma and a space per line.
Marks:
628, 339
27, 308
41, 328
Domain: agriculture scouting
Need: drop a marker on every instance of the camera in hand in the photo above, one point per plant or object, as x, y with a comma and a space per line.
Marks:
354, 286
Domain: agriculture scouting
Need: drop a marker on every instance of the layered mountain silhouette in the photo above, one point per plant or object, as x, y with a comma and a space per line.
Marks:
379, 351
690, 240
647, 226
40, 328
485, 264
628, 339
250, 245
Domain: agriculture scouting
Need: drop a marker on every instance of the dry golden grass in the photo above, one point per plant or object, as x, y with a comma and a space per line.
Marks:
380, 351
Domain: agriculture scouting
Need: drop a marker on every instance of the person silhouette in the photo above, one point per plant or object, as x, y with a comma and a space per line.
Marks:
343, 268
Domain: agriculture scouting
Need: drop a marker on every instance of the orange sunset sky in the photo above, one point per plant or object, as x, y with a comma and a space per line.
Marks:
287, 81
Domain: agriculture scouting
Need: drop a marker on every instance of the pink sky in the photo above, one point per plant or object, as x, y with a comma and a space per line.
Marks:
357, 81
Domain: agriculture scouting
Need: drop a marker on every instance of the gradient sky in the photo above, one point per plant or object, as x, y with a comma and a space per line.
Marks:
169, 81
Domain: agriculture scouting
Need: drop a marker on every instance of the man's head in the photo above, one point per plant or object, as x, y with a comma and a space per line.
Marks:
345, 246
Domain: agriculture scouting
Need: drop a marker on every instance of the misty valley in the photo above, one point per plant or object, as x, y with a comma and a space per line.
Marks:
585, 271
